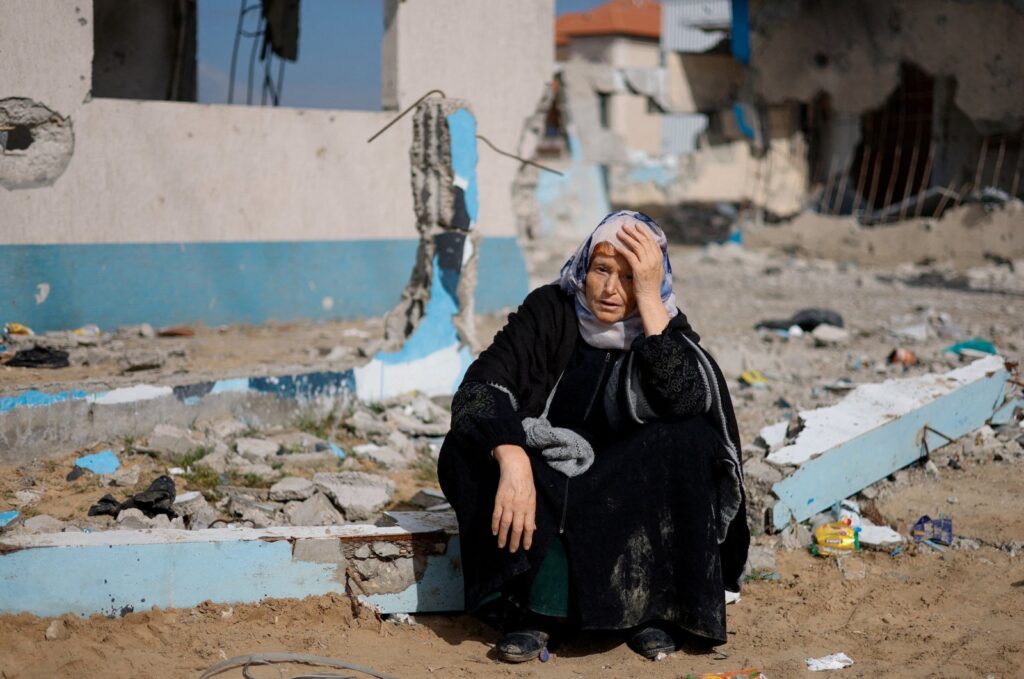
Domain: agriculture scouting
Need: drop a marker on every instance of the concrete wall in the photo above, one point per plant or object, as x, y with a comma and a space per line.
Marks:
498, 56
852, 49
173, 212
702, 82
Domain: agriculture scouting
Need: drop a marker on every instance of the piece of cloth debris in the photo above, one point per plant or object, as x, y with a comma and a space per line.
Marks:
806, 319
938, 530
836, 661
974, 348
103, 462
39, 357
158, 498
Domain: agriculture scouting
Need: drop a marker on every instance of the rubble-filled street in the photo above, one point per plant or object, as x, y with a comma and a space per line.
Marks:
923, 609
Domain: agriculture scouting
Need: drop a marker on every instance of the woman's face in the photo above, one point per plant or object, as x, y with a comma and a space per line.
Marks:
609, 288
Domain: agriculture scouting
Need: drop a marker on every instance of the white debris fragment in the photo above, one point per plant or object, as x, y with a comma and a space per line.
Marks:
836, 661
878, 537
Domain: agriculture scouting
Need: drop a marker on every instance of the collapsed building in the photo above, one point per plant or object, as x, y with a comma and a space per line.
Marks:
862, 131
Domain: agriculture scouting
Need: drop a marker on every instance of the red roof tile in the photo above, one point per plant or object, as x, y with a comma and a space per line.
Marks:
637, 18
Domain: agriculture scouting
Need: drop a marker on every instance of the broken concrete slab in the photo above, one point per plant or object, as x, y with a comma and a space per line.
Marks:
41, 524
879, 537
193, 506
256, 450
383, 455
231, 565
317, 510
292, 488
132, 519
878, 429
358, 494
173, 443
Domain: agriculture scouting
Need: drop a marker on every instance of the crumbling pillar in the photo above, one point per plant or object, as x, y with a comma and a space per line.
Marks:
433, 322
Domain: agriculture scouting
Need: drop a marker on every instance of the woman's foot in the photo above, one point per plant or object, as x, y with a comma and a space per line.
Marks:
649, 640
521, 645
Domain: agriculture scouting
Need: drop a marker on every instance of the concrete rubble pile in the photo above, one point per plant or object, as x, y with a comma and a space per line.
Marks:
231, 474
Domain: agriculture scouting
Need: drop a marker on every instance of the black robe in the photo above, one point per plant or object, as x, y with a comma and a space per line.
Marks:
656, 528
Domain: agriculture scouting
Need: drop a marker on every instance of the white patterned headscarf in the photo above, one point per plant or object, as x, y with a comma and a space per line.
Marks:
618, 335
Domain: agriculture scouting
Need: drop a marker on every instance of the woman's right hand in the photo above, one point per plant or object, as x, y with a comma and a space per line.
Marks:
515, 504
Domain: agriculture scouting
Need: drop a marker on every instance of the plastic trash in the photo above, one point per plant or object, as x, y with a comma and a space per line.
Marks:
749, 673
806, 319
835, 538
18, 329
901, 356
87, 330
936, 531
849, 510
976, 347
103, 462
7, 517
39, 357
753, 378
836, 661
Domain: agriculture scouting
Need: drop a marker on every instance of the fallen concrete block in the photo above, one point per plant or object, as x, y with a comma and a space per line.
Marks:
194, 507
317, 510
383, 455
172, 568
358, 494
42, 524
256, 450
172, 442
829, 335
292, 488
132, 519
880, 428
878, 537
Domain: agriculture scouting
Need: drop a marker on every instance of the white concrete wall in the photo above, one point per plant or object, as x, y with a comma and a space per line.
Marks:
147, 171
498, 55
150, 171
46, 52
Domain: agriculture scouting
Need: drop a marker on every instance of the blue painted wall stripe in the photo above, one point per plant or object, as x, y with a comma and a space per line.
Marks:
218, 283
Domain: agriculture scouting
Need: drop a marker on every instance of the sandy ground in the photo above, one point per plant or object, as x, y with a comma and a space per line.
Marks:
921, 613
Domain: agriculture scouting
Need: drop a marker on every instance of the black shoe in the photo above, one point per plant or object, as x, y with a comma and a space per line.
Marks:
521, 645
649, 641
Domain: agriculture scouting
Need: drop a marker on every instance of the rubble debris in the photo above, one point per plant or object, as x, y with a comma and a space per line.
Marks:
256, 450
17, 329
42, 523
927, 529
878, 429
137, 360
317, 510
39, 357
383, 455
173, 443
426, 498
56, 630
292, 488
915, 333
753, 378
195, 510
359, 495
25, 498
805, 319
879, 537
827, 335
158, 498
132, 519
103, 462
835, 661
126, 476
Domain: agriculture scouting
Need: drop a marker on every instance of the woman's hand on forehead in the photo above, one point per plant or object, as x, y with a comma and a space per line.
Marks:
644, 255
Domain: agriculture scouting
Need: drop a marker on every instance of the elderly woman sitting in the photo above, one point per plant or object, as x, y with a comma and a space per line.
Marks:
593, 459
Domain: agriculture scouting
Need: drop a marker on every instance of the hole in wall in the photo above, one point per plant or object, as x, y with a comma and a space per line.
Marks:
16, 138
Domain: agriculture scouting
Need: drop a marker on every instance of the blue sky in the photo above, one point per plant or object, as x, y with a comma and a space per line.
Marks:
339, 53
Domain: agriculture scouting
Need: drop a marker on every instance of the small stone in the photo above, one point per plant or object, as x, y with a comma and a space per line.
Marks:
160, 521
292, 488
869, 493
297, 441
931, 470
126, 476
364, 424
427, 498
27, 498
43, 523
194, 510
952, 499
247, 508
226, 427
363, 552
315, 511
760, 559
172, 442
966, 544
257, 450
851, 567
132, 519
358, 494
57, 630
386, 549
141, 359
408, 424
382, 455
826, 335
795, 536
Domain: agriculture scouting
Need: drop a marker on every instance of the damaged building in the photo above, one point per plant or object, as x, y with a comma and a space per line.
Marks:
863, 131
